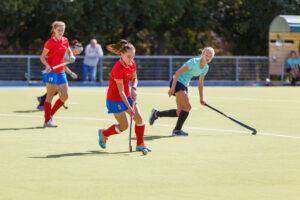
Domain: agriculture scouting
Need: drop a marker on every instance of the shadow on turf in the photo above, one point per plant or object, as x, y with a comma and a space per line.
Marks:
80, 154
18, 129
154, 137
26, 111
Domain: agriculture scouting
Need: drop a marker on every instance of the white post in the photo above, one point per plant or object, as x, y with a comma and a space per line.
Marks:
282, 59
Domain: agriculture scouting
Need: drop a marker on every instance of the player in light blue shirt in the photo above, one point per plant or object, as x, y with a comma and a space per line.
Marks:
193, 70
292, 67
179, 88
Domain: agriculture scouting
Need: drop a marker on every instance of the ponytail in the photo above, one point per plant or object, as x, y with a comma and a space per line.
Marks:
121, 47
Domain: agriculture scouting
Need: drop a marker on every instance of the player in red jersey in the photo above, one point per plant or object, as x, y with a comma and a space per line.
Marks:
55, 49
76, 47
120, 97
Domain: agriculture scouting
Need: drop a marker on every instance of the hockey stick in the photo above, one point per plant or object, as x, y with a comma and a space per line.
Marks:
236, 121
130, 129
57, 66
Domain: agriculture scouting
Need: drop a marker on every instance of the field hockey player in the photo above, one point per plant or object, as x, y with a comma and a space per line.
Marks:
179, 88
76, 47
55, 49
120, 97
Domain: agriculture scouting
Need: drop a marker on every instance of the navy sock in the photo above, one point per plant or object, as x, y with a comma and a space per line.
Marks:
43, 99
181, 119
167, 113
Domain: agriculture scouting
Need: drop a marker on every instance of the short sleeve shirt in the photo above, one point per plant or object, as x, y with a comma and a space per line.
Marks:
194, 70
120, 71
56, 54
292, 62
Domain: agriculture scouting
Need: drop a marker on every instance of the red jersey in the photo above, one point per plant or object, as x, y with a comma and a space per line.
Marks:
57, 49
120, 71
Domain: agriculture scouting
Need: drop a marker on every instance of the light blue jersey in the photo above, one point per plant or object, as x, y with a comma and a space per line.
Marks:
194, 70
292, 62
67, 56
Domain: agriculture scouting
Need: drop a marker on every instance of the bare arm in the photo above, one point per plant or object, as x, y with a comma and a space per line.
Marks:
72, 74
176, 77
200, 88
134, 83
120, 86
43, 60
69, 52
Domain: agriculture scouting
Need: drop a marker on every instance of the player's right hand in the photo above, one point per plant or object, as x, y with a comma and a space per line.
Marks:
48, 69
171, 92
130, 110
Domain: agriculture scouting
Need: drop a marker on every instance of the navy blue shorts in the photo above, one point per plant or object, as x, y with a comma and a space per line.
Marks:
179, 86
55, 78
117, 107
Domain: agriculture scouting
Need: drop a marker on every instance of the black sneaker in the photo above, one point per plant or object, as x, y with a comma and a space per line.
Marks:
152, 116
179, 133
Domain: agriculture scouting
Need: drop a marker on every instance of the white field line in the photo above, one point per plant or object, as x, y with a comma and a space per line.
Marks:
156, 124
229, 98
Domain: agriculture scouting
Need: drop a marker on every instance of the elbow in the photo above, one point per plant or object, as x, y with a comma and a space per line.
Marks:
176, 74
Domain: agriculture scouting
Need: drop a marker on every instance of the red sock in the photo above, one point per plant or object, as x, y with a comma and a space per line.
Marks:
139, 131
110, 131
47, 110
56, 106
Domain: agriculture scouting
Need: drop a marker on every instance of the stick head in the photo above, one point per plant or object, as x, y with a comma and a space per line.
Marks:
254, 132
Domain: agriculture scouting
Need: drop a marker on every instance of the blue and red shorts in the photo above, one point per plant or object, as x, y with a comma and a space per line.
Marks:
117, 107
55, 78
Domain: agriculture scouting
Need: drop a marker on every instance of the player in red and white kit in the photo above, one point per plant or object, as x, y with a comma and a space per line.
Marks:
120, 97
56, 79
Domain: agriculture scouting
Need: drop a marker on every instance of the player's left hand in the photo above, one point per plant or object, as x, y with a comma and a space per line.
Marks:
72, 59
73, 75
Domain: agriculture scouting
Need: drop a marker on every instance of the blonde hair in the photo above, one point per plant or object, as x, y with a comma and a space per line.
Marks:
121, 47
208, 49
56, 24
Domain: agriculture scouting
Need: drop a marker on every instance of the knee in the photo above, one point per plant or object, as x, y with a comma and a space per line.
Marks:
138, 119
64, 97
188, 108
178, 111
123, 126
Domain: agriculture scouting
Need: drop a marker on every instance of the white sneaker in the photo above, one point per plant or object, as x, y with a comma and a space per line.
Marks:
50, 123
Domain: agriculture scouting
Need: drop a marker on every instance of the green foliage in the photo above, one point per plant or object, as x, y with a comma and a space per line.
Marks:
153, 26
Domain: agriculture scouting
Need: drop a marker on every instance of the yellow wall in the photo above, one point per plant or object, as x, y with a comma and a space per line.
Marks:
275, 67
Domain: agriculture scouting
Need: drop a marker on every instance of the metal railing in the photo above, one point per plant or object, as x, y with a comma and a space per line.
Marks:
150, 69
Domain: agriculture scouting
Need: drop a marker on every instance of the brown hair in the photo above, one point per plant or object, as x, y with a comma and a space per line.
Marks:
76, 43
55, 24
293, 52
121, 47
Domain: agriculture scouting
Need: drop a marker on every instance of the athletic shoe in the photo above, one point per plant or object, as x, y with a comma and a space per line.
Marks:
152, 116
142, 147
40, 107
50, 123
39, 99
179, 133
102, 139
